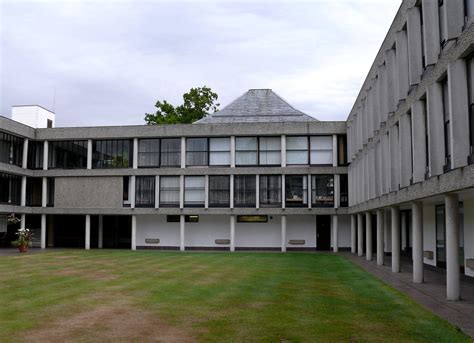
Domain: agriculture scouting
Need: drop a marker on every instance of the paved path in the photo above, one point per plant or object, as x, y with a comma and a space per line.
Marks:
431, 293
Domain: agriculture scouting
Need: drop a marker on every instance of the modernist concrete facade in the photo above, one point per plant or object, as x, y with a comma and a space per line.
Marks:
260, 174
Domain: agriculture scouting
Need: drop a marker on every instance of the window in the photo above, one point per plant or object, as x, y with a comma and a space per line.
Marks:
470, 77
149, 153
297, 150
34, 191
145, 191
321, 150
11, 149
171, 152
270, 151
246, 151
126, 191
342, 150
50, 192
49, 123
35, 155
344, 190
169, 191
252, 219
196, 151
296, 190
322, 190
67, 154
111, 153
219, 151
270, 190
175, 218
447, 133
194, 191
10, 189
219, 191
244, 191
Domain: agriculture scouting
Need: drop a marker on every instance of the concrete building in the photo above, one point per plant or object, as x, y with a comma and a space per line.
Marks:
395, 179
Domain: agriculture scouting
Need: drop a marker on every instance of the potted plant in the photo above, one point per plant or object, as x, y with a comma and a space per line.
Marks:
23, 240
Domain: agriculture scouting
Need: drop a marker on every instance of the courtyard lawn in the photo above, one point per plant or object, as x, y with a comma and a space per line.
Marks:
74, 295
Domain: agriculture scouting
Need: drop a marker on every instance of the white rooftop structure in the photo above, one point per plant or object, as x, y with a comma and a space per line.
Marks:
33, 115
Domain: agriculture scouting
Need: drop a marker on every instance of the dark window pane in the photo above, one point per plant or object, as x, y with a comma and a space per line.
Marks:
244, 191
149, 153
10, 189
296, 192
67, 154
145, 191
171, 152
112, 153
196, 152
11, 149
322, 188
270, 190
35, 155
219, 191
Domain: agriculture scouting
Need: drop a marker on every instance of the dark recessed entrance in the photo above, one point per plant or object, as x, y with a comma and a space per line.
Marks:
323, 232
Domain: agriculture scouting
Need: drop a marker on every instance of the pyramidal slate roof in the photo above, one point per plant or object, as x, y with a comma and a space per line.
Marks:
257, 106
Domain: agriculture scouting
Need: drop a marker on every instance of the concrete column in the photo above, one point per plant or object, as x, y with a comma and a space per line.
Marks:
310, 195
183, 152
88, 232
368, 236
24, 161
360, 235
283, 191
132, 191
376, 104
335, 236
454, 19
334, 150
392, 80
434, 98
181, 191
231, 191
232, 232
431, 38
181, 232
206, 191
283, 151
232, 151
23, 191
134, 232
43, 231
283, 233
257, 191
395, 239
45, 155
89, 154
418, 124
23, 221
337, 191
395, 158
157, 191
453, 274
415, 53
135, 153
417, 231
402, 64
44, 192
101, 231
353, 233
380, 236
458, 113
405, 150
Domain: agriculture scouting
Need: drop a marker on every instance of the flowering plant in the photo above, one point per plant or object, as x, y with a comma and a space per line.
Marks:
23, 238
12, 219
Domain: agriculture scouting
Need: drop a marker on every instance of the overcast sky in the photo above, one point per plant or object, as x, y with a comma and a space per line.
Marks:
107, 62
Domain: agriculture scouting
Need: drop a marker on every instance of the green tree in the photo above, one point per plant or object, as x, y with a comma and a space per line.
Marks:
197, 104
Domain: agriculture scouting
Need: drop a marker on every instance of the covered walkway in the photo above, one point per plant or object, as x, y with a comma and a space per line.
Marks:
431, 293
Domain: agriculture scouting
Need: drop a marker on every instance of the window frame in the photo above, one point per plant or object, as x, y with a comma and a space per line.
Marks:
149, 153
98, 156
203, 189
245, 195
243, 151
270, 204
314, 191
218, 151
206, 152
260, 150
150, 204
211, 190
308, 151
177, 189
304, 190
178, 165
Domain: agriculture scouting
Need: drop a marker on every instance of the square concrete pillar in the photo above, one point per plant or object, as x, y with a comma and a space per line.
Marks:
368, 236
353, 233
257, 191
89, 154
415, 53
453, 274
458, 112
418, 123
417, 232
88, 232
335, 235
366, 175
43, 231
232, 151
378, 169
365, 122
360, 234
135, 154
431, 37
402, 64
383, 101
232, 233
157, 191
371, 169
395, 158
24, 161
231, 191
283, 233
183, 152
435, 128
44, 192
181, 232
45, 155
181, 191
405, 150
132, 194
392, 80
23, 191
370, 113
134, 232
380, 237
395, 216
283, 151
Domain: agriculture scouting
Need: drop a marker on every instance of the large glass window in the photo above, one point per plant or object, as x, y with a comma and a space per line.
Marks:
10, 189
322, 190
169, 191
219, 151
149, 152
171, 152
145, 191
244, 191
246, 151
34, 191
297, 150
321, 150
112, 153
196, 152
296, 190
270, 190
344, 191
35, 155
11, 149
447, 124
194, 191
219, 191
69, 154
270, 150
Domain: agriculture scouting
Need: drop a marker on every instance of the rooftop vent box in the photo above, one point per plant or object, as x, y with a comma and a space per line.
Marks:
33, 115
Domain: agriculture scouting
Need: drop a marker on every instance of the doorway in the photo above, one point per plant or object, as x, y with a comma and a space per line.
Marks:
323, 233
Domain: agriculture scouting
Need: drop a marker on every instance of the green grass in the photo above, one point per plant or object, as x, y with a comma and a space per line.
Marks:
267, 297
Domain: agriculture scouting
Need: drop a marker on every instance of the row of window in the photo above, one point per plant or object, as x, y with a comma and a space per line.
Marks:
245, 194
10, 190
166, 152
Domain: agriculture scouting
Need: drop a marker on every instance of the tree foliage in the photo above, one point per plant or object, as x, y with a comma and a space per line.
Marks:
197, 103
